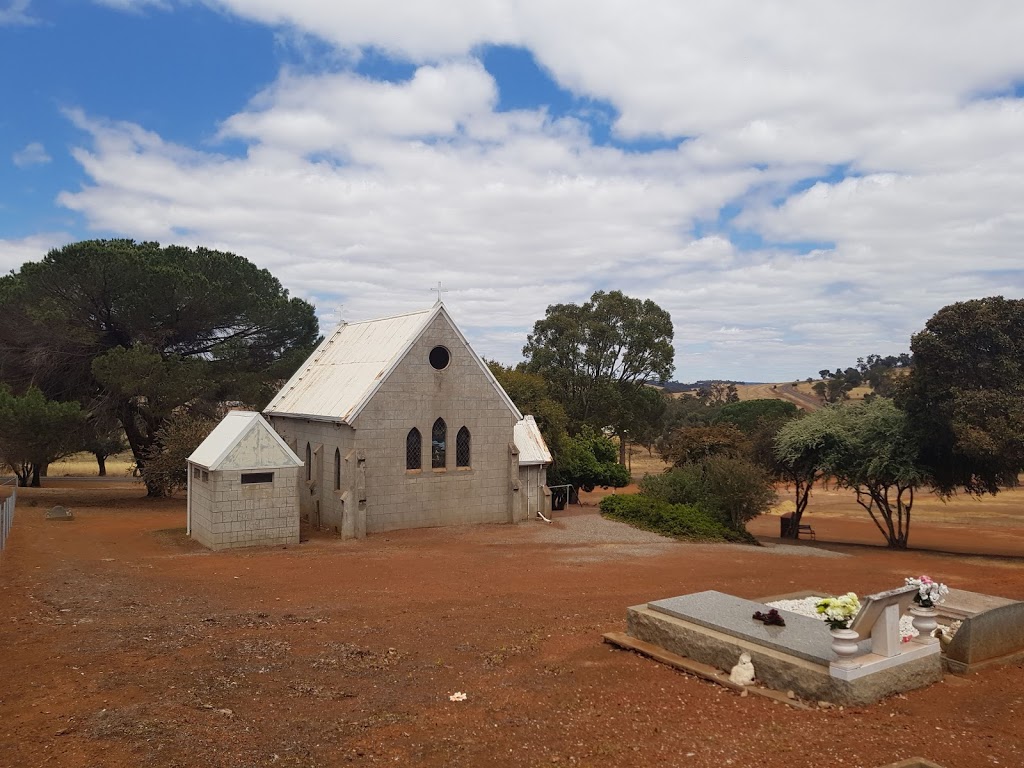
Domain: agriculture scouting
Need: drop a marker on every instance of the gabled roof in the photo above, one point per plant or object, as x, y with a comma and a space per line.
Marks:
231, 431
351, 364
530, 442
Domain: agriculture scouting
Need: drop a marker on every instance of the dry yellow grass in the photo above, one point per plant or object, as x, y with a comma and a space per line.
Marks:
642, 463
84, 465
1004, 509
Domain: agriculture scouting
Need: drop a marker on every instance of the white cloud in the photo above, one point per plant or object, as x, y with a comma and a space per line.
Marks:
15, 12
14, 253
366, 193
31, 154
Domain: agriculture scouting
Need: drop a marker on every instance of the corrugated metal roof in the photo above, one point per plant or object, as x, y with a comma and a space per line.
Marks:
530, 442
345, 371
226, 435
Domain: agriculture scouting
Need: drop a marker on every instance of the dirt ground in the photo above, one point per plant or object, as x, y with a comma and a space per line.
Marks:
124, 644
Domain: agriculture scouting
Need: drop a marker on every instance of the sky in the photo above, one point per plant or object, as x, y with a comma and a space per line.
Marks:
798, 182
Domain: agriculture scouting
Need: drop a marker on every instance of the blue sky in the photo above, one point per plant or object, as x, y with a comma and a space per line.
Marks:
797, 184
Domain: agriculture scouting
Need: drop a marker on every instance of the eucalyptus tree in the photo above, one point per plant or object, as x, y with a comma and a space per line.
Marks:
598, 356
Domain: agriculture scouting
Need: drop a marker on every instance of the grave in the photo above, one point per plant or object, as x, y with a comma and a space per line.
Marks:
59, 513
992, 630
715, 628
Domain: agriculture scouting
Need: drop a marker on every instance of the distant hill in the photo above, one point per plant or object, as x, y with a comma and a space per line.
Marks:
679, 386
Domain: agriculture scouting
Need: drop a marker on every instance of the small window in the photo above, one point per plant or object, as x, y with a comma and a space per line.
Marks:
439, 358
206, 476
337, 469
438, 444
257, 477
309, 462
413, 449
462, 448
195, 473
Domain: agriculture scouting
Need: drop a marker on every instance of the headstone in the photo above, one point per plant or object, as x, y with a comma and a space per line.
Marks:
59, 513
879, 619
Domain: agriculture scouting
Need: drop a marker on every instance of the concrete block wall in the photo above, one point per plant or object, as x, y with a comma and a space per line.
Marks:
414, 395
318, 485
228, 514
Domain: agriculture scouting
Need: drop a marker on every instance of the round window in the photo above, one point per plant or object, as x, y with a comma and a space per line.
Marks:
439, 358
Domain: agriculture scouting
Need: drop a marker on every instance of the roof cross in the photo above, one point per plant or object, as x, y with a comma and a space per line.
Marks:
439, 291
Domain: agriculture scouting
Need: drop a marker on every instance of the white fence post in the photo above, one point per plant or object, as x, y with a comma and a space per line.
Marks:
7, 511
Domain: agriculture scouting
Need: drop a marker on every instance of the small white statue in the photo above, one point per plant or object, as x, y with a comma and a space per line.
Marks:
743, 672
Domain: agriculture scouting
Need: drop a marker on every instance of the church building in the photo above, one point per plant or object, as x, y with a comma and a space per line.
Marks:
399, 424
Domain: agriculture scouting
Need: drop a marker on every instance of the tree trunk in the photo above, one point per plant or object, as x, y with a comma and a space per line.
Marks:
35, 475
101, 461
622, 450
140, 444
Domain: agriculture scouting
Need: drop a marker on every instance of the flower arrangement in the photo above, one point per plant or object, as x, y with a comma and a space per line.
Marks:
929, 593
838, 611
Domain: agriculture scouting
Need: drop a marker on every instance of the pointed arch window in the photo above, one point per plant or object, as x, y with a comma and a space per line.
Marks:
462, 448
438, 444
413, 449
309, 462
337, 469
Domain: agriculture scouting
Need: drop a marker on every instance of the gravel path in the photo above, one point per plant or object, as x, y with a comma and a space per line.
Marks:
605, 539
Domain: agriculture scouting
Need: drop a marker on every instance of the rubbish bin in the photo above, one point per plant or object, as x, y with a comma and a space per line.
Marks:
785, 526
558, 498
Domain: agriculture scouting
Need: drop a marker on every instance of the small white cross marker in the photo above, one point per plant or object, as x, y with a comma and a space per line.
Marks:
439, 291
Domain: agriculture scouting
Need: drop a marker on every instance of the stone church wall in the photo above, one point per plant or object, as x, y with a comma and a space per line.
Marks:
378, 493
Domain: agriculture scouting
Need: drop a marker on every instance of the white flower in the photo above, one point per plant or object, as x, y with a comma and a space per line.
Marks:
457, 696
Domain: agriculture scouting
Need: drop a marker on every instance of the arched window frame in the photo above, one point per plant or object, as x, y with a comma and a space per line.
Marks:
413, 450
337, 469
309, 462
463, 446
439, 445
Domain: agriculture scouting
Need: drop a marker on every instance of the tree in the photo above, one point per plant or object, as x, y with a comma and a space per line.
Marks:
531, 394
868, 448
598, 355
35, 431
965, 395
716, 393
694, 445
177, 439
834, 387
103, 439
748, 415
641, 418
586, 461
799, 448
135, 331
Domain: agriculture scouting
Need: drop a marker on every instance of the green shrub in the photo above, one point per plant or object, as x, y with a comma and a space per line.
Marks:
681, 521
681, 485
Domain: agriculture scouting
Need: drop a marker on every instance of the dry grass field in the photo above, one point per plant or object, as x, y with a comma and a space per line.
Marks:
84, 465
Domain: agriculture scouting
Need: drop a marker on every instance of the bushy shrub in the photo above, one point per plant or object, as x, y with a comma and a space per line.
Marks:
730, 490
682, 485
682, 521
736, 489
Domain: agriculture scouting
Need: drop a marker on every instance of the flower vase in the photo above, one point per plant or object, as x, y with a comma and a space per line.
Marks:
925, 623
844, 643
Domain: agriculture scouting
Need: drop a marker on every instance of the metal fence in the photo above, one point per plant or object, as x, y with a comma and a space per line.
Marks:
7, 509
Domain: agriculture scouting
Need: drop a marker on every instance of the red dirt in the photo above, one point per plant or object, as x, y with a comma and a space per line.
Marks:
126, 644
